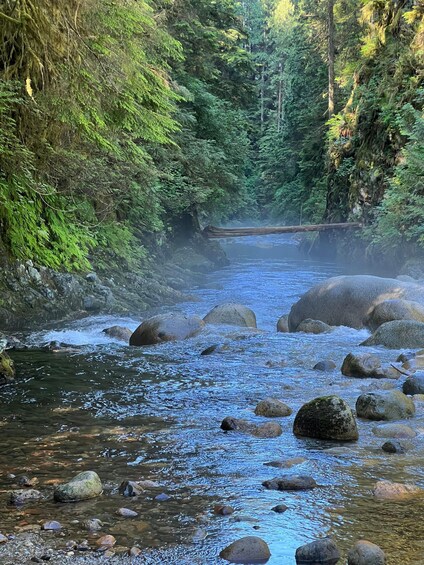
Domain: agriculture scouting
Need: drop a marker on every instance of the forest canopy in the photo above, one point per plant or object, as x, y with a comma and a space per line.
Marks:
120, 118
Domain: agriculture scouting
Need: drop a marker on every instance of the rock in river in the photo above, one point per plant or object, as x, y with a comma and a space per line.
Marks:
118, 332
283, 324
272, 408
390, 405
231, 314
386, 490
291, 482
326, 417
267, 430
22, 496
414, 384
83, 486
365, 553
362, 366
166, 327
248, 550
396, 309
398, 334
322, 551
325, 365
397, 431
309, 326
349, 300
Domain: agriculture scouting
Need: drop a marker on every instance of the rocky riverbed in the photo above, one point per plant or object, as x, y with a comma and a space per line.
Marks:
149, 421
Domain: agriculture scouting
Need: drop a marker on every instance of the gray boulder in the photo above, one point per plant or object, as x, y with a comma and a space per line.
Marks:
398, 334
397, 431
366, 553
325, 366
414, 384
84, 486
349, 300
250, 549
231, 314
362, 366
310, 326
118, 332
391, 405
326, 417
283, 324
267, 430
272, 408
166, 327
323, 551
395, 309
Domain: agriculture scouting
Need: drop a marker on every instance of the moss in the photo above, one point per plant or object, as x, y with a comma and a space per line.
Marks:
7, 368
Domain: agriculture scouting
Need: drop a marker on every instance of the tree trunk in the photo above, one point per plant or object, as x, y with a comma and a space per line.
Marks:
330, 23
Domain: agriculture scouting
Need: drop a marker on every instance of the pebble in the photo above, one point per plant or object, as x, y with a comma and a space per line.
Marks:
106, 541
21, 496
162, 497
130, 488
280, 508
134, 552
3, 539
223, 510
127, 513
83, 546
93, 525
52, 525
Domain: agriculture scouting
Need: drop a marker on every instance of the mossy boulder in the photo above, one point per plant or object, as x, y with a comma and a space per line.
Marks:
391, 405
7, 368
84, 486
398, 334
326, 417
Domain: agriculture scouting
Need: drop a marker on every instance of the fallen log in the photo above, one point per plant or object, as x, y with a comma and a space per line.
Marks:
213, 232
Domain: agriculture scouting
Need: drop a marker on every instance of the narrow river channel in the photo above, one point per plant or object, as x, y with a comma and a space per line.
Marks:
154, 413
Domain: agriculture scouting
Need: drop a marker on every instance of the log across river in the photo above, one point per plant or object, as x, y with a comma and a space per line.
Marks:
154, 413
213, 232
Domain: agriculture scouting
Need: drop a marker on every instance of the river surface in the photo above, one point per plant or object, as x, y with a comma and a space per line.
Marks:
154, 413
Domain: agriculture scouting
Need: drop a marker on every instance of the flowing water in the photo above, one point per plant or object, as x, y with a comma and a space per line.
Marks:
154, 413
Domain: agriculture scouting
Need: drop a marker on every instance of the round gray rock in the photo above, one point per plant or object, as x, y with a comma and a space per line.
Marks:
323, 551
326, 417
283, 324
310, 326
326, 365
414, 384
231, 314
118, 332
390, 405
395, 309
366, 553
362, 366
250, 549
83, 486
272, 408
291, 482
166, 327
398, 334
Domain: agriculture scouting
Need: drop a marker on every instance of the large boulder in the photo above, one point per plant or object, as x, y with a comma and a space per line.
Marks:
249, 549
398, 334
349, 300
362, 366
84, 486
396, 309
166, 327
231, 314
391, 405
326, 417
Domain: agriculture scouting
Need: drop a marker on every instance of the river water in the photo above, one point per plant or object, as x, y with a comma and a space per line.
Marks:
154, 414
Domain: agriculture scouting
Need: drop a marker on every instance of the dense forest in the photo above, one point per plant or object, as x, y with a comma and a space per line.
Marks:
121, 119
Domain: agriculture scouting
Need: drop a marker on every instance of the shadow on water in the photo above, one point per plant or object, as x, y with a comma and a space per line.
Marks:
154, 414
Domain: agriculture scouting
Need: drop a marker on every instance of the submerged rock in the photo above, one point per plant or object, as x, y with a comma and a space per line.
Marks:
84, 486
366, 553
323, 551
166, 327
267, 430
398, 334
231, 314
398, 431
272, 408
393, 446
326, 417
291, 482
362, 366
326, 365
247, 550
22, 496
387, 490
390, 405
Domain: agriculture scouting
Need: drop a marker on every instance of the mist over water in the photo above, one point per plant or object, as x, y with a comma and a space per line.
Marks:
154, 413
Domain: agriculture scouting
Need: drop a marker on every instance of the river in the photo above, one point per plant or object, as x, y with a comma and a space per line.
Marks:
154, 413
